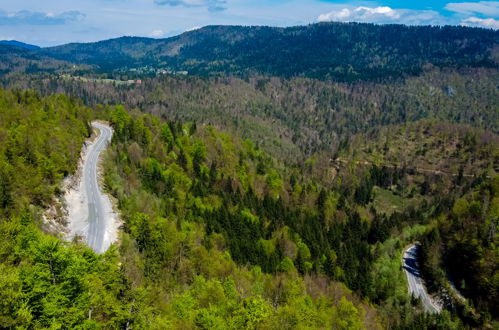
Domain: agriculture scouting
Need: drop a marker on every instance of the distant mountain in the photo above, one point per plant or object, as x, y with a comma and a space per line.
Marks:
19, 44
109, 55
17, 59
338, 51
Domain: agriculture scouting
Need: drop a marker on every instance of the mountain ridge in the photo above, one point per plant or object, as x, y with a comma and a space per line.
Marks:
337, 51
19, 44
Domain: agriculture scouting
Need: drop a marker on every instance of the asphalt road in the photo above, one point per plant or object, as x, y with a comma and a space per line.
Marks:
416, 286
97, 212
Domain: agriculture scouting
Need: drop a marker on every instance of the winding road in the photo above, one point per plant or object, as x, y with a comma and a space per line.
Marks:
416, 286
99, 210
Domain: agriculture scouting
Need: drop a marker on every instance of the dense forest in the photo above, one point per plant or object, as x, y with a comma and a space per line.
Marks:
50, 283
324, 250
296, 117
467, 236
337, 51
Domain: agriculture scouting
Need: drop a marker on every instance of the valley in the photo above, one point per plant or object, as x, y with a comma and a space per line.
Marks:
252, 178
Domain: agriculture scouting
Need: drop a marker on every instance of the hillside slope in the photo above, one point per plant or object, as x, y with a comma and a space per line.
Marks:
339, 51
293, 117
216, 232
18, 44
169, 271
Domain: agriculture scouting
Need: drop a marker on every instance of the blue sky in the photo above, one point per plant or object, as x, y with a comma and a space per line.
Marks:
52, 22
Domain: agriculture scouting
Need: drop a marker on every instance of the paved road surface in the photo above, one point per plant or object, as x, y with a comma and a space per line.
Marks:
416, 286
98, 213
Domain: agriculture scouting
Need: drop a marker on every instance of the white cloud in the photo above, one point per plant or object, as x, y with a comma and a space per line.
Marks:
26, 17
489, 23
359, 14
383, 15
157, 33
488, 8
193, 28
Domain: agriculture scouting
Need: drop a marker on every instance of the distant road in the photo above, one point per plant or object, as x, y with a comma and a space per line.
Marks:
400, 166
99, 212
416, 286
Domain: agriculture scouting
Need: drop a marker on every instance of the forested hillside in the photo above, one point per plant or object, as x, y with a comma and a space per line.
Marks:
217, 233
16, 59
40, 142
45, 282
337, 51
18, 44
463, 242
49, 283
292, 118
298, 221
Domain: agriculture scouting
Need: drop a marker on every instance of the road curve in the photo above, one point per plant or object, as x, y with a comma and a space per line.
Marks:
416, 286
99, 206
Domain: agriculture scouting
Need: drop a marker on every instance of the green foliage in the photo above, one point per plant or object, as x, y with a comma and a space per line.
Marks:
254, 311
219, 235
346, 316
45, 283
469, 239
56, 285
40, 141
203, 220
293, 118
274, 182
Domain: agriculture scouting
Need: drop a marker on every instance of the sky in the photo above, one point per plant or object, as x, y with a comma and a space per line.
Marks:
54, 22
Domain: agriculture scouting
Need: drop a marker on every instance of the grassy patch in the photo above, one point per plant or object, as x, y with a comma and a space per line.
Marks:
387, 202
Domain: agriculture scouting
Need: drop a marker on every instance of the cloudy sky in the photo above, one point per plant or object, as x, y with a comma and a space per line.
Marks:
52, 22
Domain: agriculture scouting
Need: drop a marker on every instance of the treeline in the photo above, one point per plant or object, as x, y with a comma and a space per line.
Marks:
16, 59
337, 51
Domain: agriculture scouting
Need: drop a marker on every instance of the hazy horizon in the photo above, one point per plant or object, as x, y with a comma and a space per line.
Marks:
54, 22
